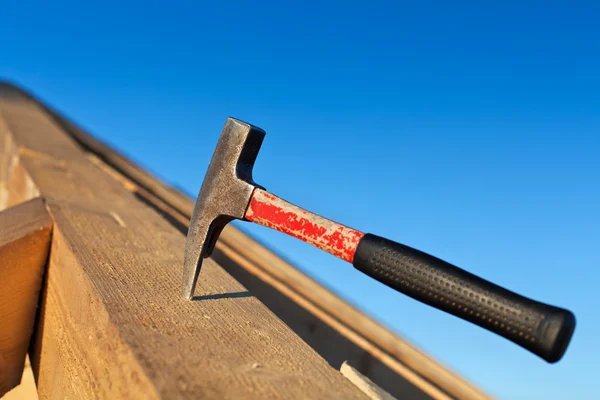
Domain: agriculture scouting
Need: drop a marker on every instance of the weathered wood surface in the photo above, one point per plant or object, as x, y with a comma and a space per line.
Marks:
331, 326
315, 313
112, 323
25, 232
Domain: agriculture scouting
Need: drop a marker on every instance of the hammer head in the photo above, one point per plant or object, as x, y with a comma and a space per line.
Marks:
224, 195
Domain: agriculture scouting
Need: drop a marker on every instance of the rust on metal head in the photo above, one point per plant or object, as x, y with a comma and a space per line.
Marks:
224, 195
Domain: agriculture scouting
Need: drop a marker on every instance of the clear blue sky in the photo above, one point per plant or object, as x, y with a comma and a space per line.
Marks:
468, 131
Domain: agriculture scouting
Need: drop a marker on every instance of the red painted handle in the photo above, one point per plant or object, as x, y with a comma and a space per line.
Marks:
273, 212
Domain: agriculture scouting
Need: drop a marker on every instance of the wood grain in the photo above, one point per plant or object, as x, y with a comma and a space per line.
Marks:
112, 323
25, 232
337, 330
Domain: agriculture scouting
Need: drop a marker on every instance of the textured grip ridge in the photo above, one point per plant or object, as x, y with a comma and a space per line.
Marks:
543, 329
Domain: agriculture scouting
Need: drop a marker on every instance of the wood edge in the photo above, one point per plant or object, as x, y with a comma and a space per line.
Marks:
25, 235
366, 385
50, 335
27, 390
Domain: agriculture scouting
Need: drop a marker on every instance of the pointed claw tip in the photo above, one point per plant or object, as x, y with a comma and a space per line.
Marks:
187, 292
190, 277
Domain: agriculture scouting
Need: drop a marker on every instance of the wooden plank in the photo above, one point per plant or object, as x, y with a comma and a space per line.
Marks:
365, 384
25, 232
319, 316
27, 390
112, 322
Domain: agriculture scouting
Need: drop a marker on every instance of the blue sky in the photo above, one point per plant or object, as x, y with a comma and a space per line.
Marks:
469, 131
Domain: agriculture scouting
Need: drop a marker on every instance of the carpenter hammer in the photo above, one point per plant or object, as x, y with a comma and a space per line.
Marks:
228, 192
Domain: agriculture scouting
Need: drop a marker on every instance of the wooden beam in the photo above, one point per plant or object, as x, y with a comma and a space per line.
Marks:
315, 313
26, 389
25, 232
334, 328
112, 323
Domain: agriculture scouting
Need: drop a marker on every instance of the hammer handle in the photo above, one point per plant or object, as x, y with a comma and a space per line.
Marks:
543, 329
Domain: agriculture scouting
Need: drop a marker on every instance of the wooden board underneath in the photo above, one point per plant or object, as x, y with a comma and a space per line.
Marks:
24, 242
27, 390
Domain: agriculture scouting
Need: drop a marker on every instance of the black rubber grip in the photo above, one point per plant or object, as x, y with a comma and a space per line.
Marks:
543, 329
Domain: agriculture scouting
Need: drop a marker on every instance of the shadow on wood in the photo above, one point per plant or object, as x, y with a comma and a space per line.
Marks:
217, 296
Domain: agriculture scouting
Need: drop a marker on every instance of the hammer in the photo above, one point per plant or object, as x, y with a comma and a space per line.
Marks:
228, 192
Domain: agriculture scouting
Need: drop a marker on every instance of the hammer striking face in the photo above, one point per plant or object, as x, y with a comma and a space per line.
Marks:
228, 192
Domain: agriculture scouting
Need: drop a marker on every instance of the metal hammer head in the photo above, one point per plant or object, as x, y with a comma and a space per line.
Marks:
224, 195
